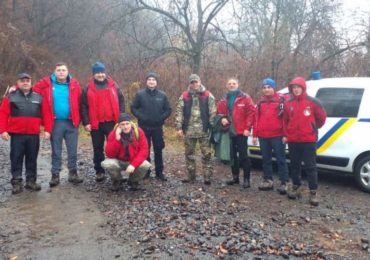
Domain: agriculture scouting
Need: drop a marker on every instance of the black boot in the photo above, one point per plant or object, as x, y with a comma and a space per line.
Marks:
234, 180
100, 176
246, 183
17, 186
161, 177
55, 180
73, 177
133, 186
32, 185
147, 174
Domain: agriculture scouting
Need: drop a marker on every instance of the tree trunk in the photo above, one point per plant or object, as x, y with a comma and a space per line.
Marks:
196, 61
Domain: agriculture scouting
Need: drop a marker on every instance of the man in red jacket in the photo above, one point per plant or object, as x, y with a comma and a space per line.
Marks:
62, 94
303, 116
21, 114
238, 111
102, 102
126, 149
268, 127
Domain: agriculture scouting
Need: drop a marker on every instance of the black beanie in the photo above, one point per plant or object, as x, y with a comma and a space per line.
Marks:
124, 117
152, 74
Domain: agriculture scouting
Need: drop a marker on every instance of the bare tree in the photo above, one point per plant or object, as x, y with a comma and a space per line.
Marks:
289, 33
189, 26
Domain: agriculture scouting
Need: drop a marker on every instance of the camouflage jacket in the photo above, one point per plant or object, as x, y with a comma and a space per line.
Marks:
195, 127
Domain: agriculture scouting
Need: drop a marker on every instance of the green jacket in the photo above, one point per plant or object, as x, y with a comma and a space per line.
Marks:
221, 140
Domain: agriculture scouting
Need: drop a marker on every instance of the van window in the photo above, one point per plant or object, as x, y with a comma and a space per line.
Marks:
340, 102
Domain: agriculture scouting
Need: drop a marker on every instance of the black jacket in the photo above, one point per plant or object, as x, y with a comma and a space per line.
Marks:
151, 108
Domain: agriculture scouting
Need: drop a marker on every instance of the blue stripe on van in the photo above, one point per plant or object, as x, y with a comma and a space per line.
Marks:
364, 120
330, 132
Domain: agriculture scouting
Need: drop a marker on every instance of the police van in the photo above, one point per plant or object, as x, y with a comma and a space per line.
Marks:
344, 141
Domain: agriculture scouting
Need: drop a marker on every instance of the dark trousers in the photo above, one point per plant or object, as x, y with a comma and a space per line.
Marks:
240, 156
24, 146
275, 144
155, 136
306, 153
98, 137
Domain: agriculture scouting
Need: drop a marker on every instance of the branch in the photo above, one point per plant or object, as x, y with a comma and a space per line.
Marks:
213, 13
340, 51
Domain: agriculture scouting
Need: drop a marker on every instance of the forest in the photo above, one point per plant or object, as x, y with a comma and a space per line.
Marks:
249, 39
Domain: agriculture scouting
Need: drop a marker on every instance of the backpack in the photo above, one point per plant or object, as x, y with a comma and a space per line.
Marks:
281, 106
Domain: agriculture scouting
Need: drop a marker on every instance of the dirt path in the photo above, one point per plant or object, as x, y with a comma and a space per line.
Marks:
62, 223
170, 220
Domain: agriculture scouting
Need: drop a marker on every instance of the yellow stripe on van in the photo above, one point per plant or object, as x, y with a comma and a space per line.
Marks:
336, 135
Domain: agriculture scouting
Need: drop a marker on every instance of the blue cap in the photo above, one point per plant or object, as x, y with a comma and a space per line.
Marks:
269, 82
98, 67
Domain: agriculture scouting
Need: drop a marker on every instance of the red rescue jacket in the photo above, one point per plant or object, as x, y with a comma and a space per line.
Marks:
268, 122
303, 115
243, 113
138, 148
27, 119
45, 88
95, 107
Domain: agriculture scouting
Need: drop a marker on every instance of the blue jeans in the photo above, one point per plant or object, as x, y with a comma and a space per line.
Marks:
63, 129
275, 144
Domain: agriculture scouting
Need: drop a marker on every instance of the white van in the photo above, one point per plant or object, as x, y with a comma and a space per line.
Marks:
344, 140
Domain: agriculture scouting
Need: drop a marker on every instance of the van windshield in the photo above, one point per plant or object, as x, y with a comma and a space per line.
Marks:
340, 102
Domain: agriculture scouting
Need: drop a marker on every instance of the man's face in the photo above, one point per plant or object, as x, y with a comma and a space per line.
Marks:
232, 85
267, 90
24, 84
125, 126
100, 76
61, 73
195, 84
297, 90
151, 82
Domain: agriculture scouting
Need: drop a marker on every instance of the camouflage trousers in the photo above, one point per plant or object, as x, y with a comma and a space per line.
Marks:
114, 168
205, 148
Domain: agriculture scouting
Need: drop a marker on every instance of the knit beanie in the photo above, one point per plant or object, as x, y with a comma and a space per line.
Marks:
98, 67
152, 74
124, 117
269, 82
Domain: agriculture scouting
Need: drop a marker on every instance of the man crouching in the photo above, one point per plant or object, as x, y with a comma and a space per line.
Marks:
127, 150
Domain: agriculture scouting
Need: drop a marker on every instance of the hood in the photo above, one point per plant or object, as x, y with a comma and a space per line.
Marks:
298, 81
200, 90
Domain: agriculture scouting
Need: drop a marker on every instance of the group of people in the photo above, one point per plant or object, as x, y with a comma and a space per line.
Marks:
275, 121
58, 103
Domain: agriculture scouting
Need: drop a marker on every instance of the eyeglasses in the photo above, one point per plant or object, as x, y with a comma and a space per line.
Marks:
194, 81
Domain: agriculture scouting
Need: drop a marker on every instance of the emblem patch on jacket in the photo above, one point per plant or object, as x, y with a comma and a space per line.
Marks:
307, 111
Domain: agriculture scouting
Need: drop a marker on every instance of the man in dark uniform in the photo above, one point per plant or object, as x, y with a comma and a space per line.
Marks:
151, 108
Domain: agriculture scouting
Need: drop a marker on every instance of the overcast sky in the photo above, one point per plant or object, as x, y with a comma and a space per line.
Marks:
357, 5
356, 13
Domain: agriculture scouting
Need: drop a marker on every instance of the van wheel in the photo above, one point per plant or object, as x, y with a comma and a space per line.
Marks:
362, 173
